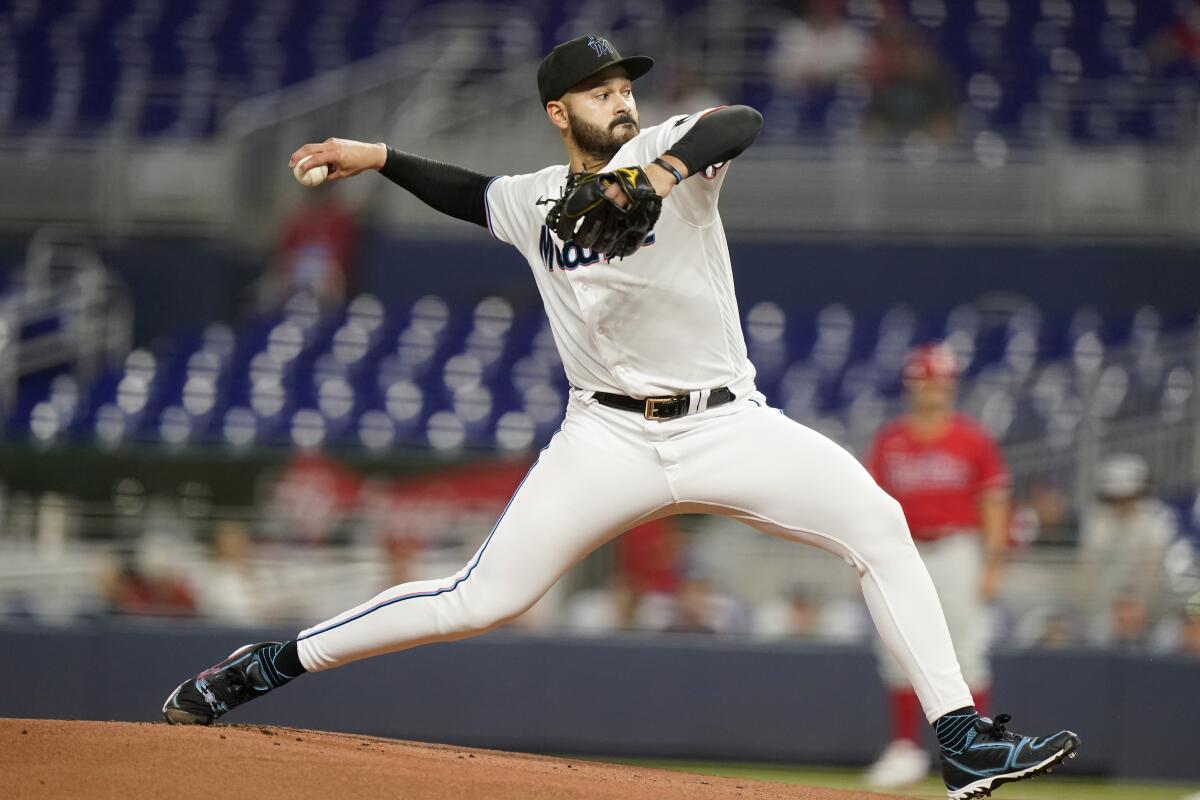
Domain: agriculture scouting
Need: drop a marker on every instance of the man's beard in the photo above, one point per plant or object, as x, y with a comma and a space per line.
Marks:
602, 143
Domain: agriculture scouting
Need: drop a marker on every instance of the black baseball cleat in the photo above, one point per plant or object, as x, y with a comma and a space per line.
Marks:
990, 755
243, 676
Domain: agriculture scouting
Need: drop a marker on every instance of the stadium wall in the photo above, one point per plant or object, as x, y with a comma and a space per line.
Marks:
867, 276
180, 285
675, 696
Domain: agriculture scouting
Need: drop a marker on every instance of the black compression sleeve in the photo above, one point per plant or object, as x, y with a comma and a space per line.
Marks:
449, 189
717, 137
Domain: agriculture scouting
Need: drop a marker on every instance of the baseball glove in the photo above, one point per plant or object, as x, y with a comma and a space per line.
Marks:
584, 214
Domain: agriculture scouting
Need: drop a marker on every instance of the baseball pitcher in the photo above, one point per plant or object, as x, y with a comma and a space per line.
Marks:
627, 248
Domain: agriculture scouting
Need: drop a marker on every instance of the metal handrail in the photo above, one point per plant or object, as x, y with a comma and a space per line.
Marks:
63, 278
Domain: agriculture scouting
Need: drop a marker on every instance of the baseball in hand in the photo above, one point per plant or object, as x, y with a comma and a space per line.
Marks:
314, 177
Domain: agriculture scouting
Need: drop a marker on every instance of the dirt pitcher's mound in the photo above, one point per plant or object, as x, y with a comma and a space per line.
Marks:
67, 759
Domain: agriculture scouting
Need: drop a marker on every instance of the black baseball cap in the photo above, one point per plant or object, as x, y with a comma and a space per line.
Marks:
571, 62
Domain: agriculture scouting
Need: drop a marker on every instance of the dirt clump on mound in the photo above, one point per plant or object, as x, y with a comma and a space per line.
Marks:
60, 759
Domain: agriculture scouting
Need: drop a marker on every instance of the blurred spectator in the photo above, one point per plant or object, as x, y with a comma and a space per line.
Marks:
647, 576
402, 552
128, 590
1127, 626
651, 556
650, 562
1177, 45
695, 608
441, 507
652, 589
315, 252
817, 46
384, 520
950, 479
1046, 626
1124, 539
310, 498
601, 610
129, 509
1045, 518
1058, 632
912, 89
1189, 631
795, 616
232, 592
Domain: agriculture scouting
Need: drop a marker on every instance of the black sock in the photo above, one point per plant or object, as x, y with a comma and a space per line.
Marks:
955, 730
283, 662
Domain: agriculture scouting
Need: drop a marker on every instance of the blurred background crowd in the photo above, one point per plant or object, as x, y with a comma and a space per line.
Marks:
227, 399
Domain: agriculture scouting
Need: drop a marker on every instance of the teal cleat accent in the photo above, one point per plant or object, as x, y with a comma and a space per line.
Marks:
247, 673
990, 755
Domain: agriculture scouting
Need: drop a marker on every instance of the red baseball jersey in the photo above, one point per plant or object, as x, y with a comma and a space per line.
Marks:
939, 482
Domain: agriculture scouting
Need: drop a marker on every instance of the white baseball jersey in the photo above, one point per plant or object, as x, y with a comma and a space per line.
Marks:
664, 320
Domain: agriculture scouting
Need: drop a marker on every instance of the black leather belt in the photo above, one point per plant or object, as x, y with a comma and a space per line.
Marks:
661, 408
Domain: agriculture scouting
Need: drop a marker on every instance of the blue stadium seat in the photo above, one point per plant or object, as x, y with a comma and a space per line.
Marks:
486, 375
172, 68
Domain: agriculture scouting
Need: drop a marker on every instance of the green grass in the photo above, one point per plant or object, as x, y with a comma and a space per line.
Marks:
1047, 787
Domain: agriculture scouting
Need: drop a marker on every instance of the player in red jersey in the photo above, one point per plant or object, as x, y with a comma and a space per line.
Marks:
949, 476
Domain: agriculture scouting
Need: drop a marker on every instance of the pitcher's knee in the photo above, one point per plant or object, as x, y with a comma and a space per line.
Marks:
885, 528
893, 513
482, 611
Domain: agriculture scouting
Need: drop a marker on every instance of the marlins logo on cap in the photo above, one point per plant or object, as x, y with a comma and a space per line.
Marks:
582, 57
600, 45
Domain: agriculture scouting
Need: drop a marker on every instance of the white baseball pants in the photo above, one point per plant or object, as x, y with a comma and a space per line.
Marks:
955, 564
608, 470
